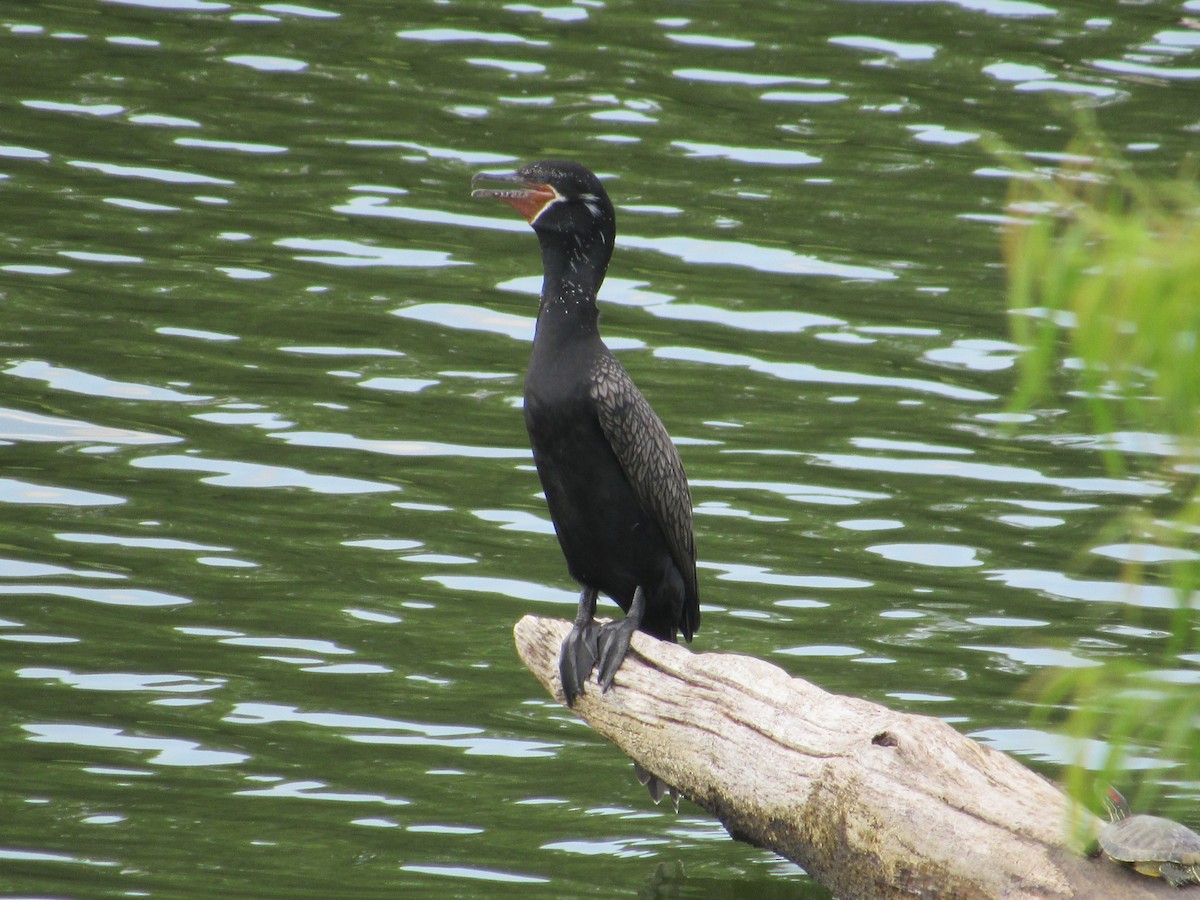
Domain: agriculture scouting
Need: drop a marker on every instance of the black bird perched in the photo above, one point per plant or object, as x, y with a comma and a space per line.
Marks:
615, 486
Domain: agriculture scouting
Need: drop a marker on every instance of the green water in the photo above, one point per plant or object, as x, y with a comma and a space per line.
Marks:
269, 514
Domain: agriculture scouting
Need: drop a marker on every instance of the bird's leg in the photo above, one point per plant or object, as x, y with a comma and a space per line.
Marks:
614, 639
578, 656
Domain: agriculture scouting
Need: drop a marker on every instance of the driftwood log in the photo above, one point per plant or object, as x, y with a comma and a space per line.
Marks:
870, 802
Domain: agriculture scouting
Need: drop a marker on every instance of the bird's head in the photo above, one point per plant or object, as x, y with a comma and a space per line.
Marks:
554, 196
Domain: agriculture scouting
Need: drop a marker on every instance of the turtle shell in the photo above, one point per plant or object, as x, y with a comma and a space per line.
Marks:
1150, 838
1152, 845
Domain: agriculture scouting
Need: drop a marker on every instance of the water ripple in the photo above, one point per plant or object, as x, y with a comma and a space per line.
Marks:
476, 874
170, 176
803, 97
802, 493
1006, 8
34, 856
515, 520
309, 645
552, 13
125, 681
710, 40
504, 587
238, 146
741, 572
10, 152
87, 109
990, 472
898, 49
166, 751
20, 425
271, 713
1060, 586
472, 318
704, 251
352, 253
515, 67
235, 473
176, 5
15, 491
19, 568
268, 63
722, 76
1145, 554
770, 156
459, 35
940, 555
296, 9
1059, 749
1125, 67
123, 596
482, 746
315, 790
397, 447
775, 321
77, 382
791, 371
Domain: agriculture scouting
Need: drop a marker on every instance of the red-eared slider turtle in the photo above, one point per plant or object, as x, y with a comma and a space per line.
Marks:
1151, 844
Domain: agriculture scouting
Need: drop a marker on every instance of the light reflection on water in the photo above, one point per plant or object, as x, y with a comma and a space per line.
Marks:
270, 512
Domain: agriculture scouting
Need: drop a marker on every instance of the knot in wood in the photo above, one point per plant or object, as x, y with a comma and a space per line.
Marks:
885, 739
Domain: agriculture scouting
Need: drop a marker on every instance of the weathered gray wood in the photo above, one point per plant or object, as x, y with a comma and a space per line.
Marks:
871, 802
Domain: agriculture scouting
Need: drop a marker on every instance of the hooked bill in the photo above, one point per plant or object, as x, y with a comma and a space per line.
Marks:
530, 199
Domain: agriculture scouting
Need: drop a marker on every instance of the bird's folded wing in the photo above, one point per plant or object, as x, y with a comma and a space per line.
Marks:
648, 458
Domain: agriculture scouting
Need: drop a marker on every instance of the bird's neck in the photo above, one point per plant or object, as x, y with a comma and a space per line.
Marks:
574, 267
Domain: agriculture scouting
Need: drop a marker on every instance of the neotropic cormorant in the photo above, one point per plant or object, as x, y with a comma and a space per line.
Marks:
614, 484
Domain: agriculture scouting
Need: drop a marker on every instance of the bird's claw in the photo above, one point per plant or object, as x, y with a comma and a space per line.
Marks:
577, 659
656, 786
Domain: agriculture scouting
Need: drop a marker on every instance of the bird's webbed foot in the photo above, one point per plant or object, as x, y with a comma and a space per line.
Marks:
578, 658
579, 649
613, 643
614, 640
